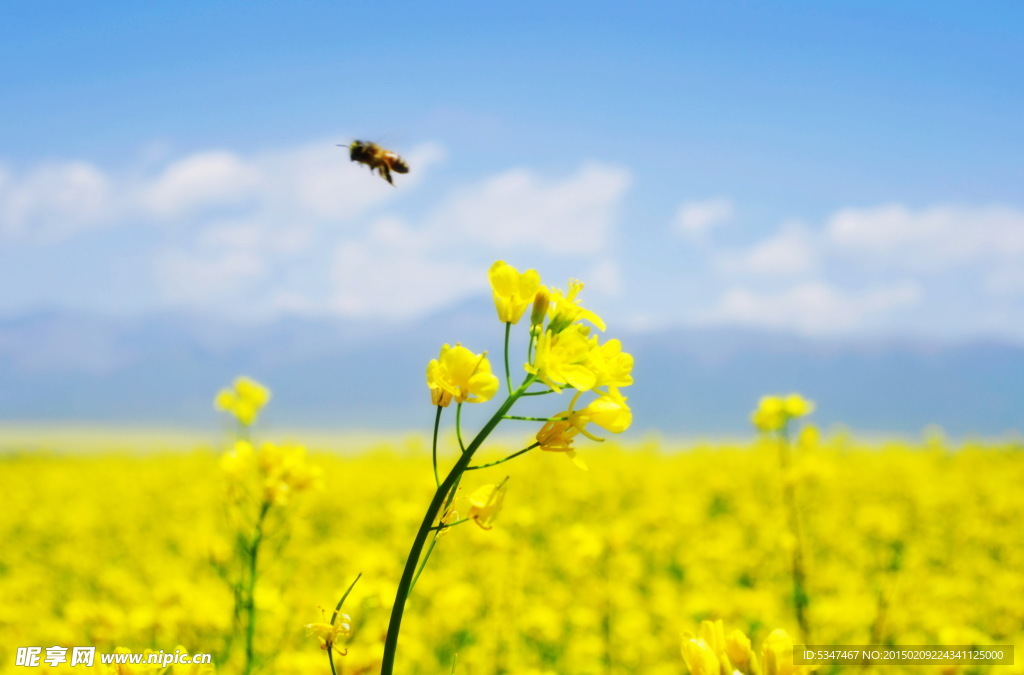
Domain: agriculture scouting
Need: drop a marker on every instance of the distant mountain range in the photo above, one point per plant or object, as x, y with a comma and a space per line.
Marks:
164, 370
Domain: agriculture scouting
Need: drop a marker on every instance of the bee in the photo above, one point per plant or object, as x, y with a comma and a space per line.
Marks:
376, 157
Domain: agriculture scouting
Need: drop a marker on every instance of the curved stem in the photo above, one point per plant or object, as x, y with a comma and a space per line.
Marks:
437, 423
334, 617
508, 372
458, 427
411, 563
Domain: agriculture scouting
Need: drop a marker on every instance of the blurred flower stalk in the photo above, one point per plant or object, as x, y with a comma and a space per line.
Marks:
262, 482
773, 418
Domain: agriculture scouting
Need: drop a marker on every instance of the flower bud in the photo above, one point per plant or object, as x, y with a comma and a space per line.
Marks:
540, 308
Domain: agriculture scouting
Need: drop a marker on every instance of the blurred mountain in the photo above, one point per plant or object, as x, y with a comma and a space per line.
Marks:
165, 368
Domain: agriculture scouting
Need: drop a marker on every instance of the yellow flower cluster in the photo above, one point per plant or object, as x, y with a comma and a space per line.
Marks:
460, 375
244, 400
280, 470
773, 413
713, 652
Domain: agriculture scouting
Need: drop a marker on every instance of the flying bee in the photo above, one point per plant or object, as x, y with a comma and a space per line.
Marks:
376, 157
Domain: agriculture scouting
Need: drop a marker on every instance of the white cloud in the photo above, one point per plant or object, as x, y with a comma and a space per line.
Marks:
791, 251
399, 271
1005, 280
287, 230
53, 200
930, 238
606, 277
307, 185
392, 280
697, 218
519, 208
209, 280
256, 236
812, 308
201, 180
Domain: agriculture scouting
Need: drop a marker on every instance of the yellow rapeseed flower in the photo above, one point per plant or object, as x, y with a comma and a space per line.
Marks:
329, 635
612, 366
773, 413
777, 655
563, 359
557, 435
485, 503
699, 656
238, 461
796, 405
244, 400
513, 292
565, 310
286, 471
461, 375
609, 411
737, 647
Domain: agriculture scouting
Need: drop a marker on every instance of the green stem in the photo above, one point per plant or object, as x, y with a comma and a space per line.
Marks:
250, 600
437, 423
535, 419
344, 597
799, 569
501, 461
508, 371
423, 563
458, 427
334, 617
452, 524
411, 563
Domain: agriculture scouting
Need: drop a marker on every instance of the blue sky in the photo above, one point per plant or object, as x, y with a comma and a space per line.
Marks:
838, 169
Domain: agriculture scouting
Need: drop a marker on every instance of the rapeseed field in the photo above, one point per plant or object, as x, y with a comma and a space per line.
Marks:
543, 549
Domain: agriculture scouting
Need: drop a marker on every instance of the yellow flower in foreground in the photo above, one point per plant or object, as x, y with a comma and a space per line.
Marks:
557, 436
777, 655
700, 658
244, 400
485, 503
563, 359
737, 647
513, 292
461, 375
713, 634
609, 412
565, 309
612, 366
